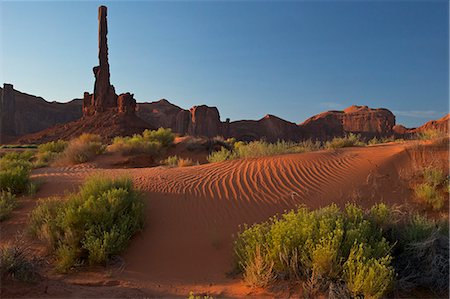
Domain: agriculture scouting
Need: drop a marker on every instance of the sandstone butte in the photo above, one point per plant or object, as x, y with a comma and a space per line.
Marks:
29, 119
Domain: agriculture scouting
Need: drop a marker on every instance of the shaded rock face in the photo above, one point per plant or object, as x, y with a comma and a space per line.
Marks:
355, 119
33, 114
7, 112
126, 104
160, 114
269, 128
205, 121
197, 121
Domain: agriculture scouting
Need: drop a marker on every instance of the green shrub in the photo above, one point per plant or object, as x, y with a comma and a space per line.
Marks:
320, 243
15, 171
171, 161
8, 202
82, 149
434, 176
347, 141
150, 142
193, 296
91, 225
163, 136
254, 149
48, 152
368, 277
222, 155
15, 261
429, 134
175, 161
430, 195
53, 146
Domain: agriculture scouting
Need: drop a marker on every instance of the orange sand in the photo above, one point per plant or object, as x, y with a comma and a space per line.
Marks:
193, 212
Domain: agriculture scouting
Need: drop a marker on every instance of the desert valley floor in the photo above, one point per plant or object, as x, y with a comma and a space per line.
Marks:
193, 212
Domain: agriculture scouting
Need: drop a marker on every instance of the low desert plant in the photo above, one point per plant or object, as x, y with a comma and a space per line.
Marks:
15, 262
149, 142
347, 141
434, 176
175, 161
15, 171
430, 195
429, 134
222, 155
48, 152
422, 254
193, 296
91, 225
53, 146
163, 136
82, 149
8, 202
253, 149
321, 243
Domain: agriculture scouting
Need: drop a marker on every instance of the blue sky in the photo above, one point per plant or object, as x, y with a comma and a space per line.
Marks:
292, 59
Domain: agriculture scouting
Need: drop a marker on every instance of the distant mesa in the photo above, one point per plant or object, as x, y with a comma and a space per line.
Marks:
29, 119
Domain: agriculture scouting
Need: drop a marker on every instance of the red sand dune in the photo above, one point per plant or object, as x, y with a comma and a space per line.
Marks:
193, 212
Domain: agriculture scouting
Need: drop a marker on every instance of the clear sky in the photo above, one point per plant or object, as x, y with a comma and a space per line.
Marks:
291, 59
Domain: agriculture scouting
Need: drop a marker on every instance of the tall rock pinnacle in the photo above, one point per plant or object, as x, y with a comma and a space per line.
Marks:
104, 94
105, 97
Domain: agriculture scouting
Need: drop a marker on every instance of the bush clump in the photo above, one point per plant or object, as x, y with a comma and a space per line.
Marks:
175, 161
347, 141
82, 149
8, 202
422, 254
149, 142
327, 243
254, 149
430, 191
429, 134
91, 225
15, 261
15, 171
48, 152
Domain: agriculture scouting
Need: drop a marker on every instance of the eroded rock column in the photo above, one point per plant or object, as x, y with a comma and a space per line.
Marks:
104, 94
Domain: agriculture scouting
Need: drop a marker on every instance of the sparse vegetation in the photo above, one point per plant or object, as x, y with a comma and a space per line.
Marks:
422, 254
432, 190
91, 225
48, 152
326, 243
149, 142
347, 141
175, 161
193, 296
261, 148
15, 170
8, 202
429, 134
369, 251
82, 149
15, 262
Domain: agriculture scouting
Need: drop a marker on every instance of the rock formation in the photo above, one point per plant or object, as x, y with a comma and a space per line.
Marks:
126, 104
104, 112
440, 125
361, 120
104, 96
7, 113
205, 121
269, 128
198, 121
